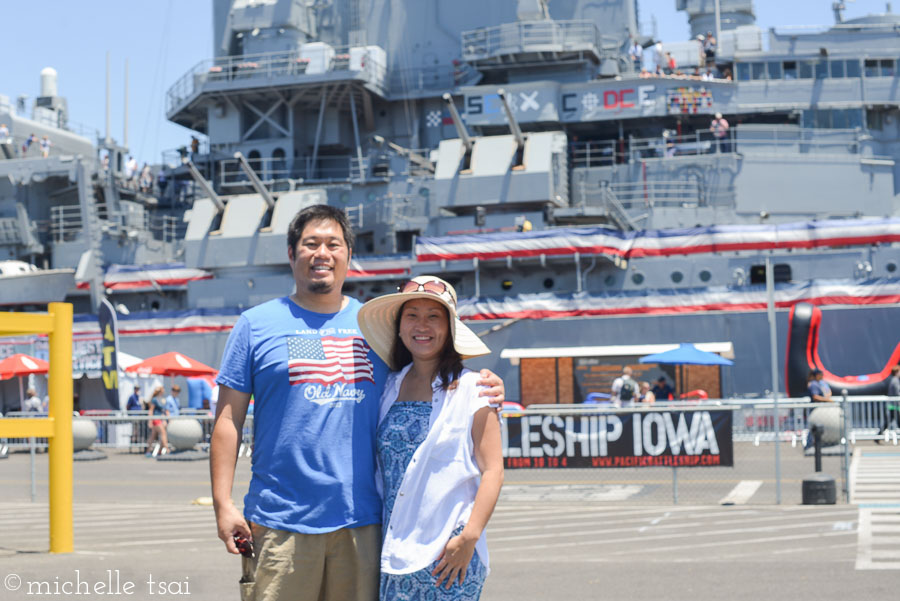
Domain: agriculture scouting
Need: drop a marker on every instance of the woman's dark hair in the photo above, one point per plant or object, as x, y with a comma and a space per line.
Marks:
450, 365
319, 213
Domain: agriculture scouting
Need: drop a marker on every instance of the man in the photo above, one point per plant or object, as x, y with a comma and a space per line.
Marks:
818, 389
662, 391
199, 393
312, 510
134, 401
624, 387
893, 406
719, 127
636, 52
173, 403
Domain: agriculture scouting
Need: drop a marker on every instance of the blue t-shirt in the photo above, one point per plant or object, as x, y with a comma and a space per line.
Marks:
173, 405
316, 386
198, 389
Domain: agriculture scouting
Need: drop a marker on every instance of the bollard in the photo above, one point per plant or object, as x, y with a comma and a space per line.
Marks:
818, 488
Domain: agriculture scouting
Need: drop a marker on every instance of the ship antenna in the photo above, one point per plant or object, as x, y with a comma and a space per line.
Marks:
107, 99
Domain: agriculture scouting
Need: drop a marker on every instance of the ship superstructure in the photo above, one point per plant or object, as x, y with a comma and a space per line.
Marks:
575, 196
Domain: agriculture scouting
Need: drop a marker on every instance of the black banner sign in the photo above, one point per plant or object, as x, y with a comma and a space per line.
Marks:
109, 365
647, 439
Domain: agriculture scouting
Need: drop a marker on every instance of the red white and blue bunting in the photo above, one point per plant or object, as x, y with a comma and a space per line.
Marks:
672, 302
658, 243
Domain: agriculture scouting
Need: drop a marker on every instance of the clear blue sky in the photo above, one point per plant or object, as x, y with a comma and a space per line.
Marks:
163, 39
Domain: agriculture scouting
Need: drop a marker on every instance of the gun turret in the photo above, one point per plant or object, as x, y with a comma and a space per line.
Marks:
513, 128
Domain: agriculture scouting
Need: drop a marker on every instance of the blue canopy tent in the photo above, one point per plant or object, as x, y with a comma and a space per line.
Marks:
686, 354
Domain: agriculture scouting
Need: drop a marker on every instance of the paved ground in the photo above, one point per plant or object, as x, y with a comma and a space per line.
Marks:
555, 535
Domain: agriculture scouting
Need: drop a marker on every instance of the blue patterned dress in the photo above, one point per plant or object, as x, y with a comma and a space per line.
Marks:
399, 435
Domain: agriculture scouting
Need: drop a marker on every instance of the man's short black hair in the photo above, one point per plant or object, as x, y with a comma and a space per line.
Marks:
319, 213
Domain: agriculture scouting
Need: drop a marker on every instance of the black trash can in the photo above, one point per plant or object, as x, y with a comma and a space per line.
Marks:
819, 489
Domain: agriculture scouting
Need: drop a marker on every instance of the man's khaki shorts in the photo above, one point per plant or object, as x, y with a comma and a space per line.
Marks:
336, 566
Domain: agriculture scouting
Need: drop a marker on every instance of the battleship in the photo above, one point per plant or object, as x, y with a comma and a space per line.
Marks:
564, 169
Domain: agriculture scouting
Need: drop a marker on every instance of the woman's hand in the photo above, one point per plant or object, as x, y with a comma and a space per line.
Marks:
454, 560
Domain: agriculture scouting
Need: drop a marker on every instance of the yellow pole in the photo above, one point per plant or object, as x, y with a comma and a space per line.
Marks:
60, 445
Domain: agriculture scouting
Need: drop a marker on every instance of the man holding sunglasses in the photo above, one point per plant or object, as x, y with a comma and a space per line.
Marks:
312, 512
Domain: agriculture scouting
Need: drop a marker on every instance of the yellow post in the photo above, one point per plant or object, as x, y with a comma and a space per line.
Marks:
57, 427
60, 445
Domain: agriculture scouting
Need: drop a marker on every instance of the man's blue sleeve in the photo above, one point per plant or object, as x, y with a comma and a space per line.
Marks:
236, 368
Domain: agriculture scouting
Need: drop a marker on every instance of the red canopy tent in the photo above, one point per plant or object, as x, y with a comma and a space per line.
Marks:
22, 365
19, 366
172, 364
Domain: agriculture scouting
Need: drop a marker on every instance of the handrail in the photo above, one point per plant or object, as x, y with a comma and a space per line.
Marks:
525, 36
267, 65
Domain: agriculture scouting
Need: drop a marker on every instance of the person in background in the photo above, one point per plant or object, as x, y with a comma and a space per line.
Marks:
624, 388
636, 52
440, 460
32, 401
892, 411
45, 146
199, 393
4, 131
173, 403
662, 391
28, 142
818, 390
646, 395
158, 426
719, 127
134, 401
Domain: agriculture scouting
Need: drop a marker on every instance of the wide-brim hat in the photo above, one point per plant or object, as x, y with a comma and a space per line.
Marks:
378, 319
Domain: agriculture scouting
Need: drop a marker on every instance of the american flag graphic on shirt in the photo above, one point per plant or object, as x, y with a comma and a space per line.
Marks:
328, 360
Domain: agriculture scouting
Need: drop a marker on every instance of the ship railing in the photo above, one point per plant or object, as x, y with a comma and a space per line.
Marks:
268, 170
268, 65
531, 36
66, 224
634, 197
440, 78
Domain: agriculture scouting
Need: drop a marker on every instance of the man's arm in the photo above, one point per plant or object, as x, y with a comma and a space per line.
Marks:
496, 391
223, 448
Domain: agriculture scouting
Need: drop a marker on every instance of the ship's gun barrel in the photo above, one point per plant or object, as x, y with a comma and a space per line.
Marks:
413, 156
513, 124
254, 180
457, 122
201, 181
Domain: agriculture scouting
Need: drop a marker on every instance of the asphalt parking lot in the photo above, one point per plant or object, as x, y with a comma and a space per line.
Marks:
562, 534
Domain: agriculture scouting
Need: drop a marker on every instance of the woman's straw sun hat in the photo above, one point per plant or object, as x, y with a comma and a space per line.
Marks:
378, 318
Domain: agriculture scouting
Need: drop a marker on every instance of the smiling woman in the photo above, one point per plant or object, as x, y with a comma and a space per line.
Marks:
435, 507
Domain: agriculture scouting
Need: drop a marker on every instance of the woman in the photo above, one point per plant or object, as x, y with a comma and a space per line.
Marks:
440, 464
646, 395
158, 426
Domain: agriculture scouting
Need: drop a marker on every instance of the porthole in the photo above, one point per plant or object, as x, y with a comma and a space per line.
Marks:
677, 276
637, 277
705, 276
891, 267
548, 283
506, 284
609, 280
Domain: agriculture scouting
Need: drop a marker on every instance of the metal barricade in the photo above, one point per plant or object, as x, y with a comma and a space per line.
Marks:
129, 431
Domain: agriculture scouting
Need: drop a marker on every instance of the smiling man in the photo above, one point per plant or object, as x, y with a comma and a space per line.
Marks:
312, 510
